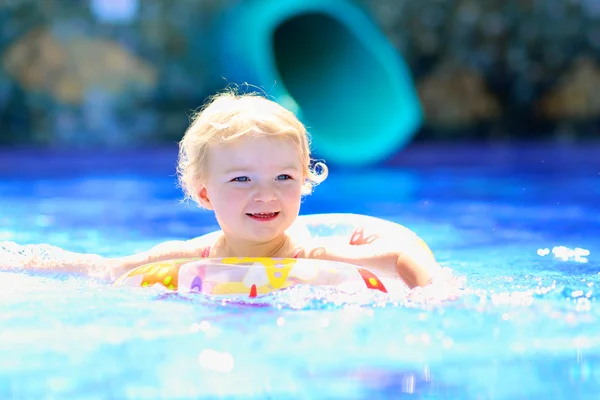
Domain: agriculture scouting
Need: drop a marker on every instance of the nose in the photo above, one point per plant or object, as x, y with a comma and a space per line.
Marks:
264, 193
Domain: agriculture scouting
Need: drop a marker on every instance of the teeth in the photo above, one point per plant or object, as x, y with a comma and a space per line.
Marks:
263, 215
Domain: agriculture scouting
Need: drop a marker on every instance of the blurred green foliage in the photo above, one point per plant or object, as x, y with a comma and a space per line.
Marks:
484, 68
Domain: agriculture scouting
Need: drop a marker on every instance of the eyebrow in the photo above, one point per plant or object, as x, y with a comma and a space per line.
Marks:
242, 169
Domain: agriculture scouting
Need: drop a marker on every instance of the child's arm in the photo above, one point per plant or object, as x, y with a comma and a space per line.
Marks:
170, 250
165, 251
415, 265
53, 259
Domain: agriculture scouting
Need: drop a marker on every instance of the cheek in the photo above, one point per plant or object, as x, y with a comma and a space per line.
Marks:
230, 197
293, 194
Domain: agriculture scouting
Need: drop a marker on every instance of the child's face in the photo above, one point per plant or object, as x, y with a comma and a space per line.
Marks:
254, 186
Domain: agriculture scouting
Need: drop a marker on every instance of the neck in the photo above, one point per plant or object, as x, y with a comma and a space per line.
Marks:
243, 248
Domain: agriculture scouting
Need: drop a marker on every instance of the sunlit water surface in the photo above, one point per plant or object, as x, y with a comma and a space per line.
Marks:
520, 227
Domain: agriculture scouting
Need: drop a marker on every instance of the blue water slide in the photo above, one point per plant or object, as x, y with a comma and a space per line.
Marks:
329, 63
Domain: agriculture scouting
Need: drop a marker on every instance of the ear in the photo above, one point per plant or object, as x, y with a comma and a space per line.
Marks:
203, 197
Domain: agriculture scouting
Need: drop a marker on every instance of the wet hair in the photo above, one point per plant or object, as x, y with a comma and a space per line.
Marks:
229, 116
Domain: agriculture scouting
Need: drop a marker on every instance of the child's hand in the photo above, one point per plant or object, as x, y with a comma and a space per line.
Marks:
314, 253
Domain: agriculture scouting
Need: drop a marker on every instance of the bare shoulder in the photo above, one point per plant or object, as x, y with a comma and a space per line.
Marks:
169, 250
200, 242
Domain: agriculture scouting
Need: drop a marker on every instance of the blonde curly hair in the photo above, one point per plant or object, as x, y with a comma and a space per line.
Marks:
228, 116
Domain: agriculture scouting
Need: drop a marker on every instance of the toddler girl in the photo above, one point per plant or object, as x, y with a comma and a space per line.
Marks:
248, 160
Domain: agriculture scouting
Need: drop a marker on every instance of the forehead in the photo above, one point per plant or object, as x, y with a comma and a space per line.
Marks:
256, 152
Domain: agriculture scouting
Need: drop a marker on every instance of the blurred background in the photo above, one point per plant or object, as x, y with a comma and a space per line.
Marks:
128, 73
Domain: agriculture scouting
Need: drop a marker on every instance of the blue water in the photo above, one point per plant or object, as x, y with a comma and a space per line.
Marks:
519, 225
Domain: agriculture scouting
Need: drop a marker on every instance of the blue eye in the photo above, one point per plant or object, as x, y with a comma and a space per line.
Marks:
283, 177
241, 179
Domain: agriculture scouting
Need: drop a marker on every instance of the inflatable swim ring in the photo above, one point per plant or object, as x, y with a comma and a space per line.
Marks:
257, 276
249, 276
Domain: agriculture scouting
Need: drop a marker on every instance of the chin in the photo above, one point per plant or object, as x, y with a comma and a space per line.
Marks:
264, 237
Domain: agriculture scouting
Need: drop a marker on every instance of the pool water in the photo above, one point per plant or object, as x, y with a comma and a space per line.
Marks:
520, 225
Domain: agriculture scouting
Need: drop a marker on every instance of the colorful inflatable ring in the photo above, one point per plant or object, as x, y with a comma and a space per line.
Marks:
249, 276
256, 276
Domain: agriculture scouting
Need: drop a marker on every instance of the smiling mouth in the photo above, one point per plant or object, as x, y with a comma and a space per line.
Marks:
263, 216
